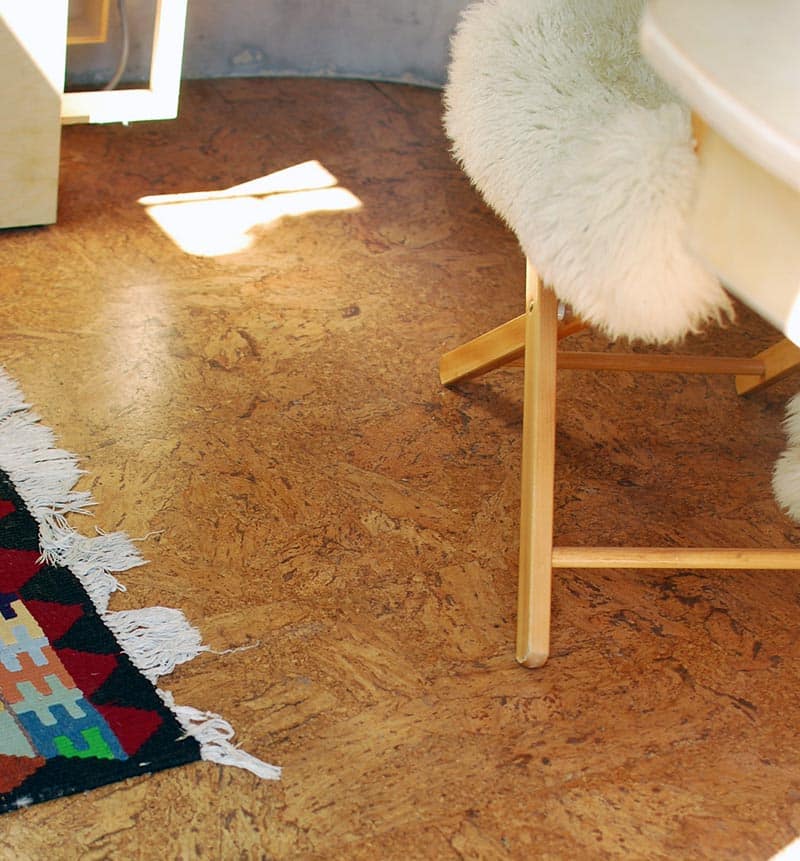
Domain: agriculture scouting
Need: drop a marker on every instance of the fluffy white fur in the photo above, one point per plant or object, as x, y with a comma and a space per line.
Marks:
786, 477
572, 139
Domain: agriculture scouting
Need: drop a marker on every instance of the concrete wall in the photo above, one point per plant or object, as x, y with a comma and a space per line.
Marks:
396, 40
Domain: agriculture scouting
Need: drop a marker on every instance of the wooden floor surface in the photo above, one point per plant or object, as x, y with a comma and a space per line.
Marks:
260, 389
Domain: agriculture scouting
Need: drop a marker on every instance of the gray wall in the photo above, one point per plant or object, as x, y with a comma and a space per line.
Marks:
396, 40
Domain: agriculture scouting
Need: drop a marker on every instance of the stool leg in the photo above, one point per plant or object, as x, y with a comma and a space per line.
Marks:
485, 353
538, 466
779, 360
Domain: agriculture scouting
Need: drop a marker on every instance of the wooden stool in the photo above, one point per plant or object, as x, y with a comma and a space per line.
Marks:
590, 159
532, 339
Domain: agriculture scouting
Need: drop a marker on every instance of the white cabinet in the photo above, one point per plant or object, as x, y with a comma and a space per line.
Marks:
33, 38
33, 105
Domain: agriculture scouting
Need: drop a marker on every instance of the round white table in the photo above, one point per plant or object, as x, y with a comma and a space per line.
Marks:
737, 64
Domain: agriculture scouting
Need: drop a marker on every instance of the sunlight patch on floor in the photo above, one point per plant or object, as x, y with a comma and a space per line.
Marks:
216, 223
789, 853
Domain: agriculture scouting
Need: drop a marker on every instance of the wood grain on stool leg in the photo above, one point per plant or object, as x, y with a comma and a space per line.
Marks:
700, 558
779, 360
485, 353
538, 465
503, 345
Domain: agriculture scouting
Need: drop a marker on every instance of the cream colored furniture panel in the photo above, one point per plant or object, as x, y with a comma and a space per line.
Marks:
746, 225
31, 85
735, 62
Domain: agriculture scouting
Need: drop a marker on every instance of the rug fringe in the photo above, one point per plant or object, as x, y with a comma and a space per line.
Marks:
92, 560
45, 477
214, 735
157, 639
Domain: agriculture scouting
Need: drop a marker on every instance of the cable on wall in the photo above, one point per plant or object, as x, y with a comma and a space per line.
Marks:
125, 34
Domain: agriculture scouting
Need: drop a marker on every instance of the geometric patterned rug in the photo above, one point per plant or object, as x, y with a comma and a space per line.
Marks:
79, 707
74, 711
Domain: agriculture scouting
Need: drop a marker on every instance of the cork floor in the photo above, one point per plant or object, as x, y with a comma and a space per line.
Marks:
252, 376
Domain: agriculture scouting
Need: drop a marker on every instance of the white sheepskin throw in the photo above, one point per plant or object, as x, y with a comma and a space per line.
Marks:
786, 477
574, 141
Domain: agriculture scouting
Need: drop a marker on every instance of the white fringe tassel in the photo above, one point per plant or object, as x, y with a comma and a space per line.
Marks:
44, 477
156, 639
214, 735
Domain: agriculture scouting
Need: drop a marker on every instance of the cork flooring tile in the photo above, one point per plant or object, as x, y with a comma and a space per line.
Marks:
257, 386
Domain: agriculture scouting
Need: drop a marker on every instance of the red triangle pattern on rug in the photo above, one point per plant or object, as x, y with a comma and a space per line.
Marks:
17, 567
132, 727
54, 619
89, 671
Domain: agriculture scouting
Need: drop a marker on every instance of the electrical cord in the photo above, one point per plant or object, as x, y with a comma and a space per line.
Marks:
123, 59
